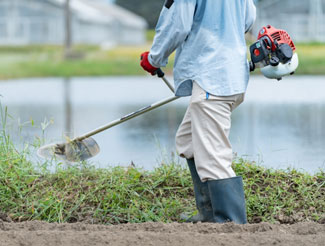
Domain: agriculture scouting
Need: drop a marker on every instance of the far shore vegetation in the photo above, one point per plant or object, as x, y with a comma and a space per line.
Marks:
85, 60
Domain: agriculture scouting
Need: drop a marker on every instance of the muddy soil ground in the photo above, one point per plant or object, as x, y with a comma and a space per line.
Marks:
41, 233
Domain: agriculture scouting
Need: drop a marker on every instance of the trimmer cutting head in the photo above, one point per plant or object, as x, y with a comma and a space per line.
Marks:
73, 151
84, 147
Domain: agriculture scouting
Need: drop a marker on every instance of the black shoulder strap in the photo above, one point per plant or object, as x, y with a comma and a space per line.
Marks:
169, 3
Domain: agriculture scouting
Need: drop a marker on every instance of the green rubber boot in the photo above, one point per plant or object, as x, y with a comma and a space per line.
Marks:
202, 198
228, 200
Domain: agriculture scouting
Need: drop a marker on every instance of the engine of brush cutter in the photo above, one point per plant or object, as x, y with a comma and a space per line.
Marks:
274, 52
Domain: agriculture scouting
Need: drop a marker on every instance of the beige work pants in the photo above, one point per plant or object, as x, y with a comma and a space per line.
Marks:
204, 131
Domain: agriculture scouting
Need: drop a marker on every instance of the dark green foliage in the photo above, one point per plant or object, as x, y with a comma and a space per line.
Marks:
121, 195
149, 9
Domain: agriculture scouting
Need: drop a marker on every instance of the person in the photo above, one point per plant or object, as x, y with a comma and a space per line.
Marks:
211, 66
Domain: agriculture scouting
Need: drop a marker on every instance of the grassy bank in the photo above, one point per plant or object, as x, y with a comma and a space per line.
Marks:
120, 195
47, 61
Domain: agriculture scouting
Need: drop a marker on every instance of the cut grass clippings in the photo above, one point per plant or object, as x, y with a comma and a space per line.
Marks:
116, 195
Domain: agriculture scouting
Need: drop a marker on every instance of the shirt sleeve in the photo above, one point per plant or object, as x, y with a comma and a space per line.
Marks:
174, 25
250, 15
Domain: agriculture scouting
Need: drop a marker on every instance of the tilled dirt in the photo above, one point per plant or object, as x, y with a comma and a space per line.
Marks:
44, 234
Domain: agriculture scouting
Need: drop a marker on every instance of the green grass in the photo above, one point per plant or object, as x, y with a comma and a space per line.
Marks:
29, 191
311, 58
47, 61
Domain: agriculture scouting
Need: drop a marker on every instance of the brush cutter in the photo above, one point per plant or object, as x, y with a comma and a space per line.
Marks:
274, 52
84, 147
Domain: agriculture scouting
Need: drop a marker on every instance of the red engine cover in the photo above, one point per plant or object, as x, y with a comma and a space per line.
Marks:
281, 36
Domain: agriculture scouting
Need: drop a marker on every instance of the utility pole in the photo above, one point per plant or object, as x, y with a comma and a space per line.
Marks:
66, 81
67, 22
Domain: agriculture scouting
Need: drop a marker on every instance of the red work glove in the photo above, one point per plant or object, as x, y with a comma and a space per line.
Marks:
145, 64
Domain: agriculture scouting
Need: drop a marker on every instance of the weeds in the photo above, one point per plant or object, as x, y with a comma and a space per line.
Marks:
120, 195
286, 196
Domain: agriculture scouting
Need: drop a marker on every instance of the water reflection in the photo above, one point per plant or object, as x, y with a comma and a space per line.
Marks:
67, 107
283, 135
281, 124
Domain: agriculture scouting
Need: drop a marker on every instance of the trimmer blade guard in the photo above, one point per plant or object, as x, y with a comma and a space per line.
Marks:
73, 151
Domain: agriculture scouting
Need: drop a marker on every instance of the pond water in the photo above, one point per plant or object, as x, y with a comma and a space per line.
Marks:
280, 124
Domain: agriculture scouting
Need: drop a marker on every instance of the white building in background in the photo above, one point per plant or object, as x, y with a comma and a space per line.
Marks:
303, 19
25, 22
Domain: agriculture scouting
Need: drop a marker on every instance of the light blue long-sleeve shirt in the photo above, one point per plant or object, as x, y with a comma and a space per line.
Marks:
209, 39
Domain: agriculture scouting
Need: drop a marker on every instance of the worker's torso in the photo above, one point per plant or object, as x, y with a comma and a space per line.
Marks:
214, 53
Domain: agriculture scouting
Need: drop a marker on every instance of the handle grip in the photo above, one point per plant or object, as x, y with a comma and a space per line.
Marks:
251, 66
159, 73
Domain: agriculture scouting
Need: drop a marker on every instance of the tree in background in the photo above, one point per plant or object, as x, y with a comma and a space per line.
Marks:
148, 9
